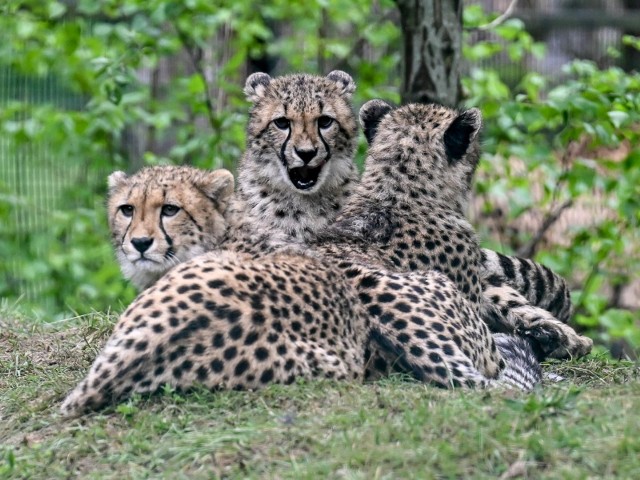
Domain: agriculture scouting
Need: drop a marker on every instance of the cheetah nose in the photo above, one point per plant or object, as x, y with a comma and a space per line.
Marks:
142, 244
306, 155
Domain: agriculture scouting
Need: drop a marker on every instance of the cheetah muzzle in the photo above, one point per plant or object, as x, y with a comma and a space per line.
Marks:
304, 178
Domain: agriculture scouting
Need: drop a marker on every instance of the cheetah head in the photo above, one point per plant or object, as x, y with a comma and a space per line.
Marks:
428, 148
162, 216
301, 132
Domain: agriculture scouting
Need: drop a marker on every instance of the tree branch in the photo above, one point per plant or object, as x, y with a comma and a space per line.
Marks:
500, 19
552, 217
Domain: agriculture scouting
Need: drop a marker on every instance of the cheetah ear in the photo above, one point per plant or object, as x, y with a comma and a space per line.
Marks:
115, 180
218, 185
344, 81
370, 115
461, 133
256, 85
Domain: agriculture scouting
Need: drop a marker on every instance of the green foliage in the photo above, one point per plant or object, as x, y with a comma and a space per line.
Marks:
70, 265
583, 427
105, 59
567, 135
103, 55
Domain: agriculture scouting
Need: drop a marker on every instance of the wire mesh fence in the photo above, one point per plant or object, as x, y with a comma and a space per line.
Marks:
33, 175
37, 177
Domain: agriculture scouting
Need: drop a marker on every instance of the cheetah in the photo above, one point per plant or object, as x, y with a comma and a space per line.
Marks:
275, 205
298, 165
163, 216
226, 320
407, 214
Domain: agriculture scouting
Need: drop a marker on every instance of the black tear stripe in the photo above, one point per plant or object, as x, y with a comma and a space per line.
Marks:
167, 238
125, 232
284, 147
326, 145
193, 220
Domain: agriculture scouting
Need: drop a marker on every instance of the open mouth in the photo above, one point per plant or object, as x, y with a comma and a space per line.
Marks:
303, 178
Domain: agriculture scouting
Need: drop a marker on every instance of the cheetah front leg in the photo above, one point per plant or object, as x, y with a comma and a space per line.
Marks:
420, 324
505, 310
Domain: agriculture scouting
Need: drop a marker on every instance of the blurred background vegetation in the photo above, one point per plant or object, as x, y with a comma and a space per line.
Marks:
90, 86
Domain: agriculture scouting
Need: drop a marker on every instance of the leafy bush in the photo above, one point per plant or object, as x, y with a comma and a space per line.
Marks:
566, 135
96, 77
107, 60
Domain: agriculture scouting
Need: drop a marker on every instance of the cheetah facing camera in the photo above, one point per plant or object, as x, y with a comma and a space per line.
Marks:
407, 214
225, 320
162, 216
297, 168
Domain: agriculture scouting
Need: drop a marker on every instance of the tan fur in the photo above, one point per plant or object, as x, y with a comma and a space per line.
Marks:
407, 214
270, 212
226, 320
197, 225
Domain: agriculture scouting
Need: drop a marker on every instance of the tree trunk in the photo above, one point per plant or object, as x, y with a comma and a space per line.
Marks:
630, 55
432, 38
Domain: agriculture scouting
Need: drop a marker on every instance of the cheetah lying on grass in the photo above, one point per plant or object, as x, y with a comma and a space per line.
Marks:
426, 326
298, 172
226, 320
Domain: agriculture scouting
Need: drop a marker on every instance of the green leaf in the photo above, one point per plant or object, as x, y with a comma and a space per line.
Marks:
56, 9
618, 118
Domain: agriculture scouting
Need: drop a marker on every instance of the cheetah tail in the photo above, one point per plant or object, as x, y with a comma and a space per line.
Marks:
522, 369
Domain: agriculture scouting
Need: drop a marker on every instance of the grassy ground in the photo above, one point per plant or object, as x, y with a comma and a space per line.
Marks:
584, 427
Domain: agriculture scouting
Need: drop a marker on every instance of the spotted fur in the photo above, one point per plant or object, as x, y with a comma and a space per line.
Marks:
297, 169
407, 214
270, 211
227, 320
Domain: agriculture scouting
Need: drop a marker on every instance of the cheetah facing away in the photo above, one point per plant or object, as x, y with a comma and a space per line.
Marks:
225, 320
407, 214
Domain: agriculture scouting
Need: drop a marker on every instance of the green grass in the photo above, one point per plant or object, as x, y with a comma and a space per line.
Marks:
584, 427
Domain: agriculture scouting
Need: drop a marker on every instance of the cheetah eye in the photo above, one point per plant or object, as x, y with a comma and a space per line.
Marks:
282, 123
127, 210
325, 121
169, 210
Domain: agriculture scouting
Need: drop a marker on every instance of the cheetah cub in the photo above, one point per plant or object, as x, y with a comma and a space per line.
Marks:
226, 320
297, 170
163, 216
407, 214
